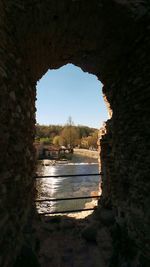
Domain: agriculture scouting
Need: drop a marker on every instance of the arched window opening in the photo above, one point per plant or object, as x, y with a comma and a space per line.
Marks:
70, 112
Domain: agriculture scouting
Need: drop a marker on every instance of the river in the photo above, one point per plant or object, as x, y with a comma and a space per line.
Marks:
64, 187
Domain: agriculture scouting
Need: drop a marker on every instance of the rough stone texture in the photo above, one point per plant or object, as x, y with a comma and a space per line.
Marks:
16, 142
109, 38
125, 148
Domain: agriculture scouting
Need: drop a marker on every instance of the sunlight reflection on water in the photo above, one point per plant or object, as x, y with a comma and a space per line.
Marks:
63, 187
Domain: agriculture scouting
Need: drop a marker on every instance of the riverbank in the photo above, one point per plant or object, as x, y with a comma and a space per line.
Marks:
86, 152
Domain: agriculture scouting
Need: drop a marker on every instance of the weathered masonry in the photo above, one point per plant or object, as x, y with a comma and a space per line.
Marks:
111, 39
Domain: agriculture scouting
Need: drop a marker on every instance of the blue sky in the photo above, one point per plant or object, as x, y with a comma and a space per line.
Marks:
68, 91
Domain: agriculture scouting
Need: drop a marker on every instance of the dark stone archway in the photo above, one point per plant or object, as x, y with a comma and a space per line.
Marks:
109, 39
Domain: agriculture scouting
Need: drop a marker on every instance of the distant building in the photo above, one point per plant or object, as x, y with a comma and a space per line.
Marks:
51, 151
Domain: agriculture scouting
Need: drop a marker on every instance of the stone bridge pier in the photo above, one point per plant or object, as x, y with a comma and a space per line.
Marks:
108, 38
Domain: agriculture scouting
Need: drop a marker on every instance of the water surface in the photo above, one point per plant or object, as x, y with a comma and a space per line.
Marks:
64, 187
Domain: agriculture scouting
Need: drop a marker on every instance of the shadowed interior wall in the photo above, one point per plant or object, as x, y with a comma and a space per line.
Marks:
107, 38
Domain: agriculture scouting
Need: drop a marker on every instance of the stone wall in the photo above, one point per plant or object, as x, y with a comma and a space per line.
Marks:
125, 150
17, 110
109, 39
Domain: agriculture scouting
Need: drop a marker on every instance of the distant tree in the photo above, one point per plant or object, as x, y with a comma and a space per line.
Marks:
85, 131
70, 134
45, 140
58, 140
92, 140
84, 142
47, 130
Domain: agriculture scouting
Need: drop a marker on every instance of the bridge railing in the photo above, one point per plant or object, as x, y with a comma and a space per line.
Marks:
91, 206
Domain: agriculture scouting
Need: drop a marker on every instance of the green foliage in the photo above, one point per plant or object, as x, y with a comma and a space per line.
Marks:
67, 135
48, 130
85, 131
45, 140
58, 140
